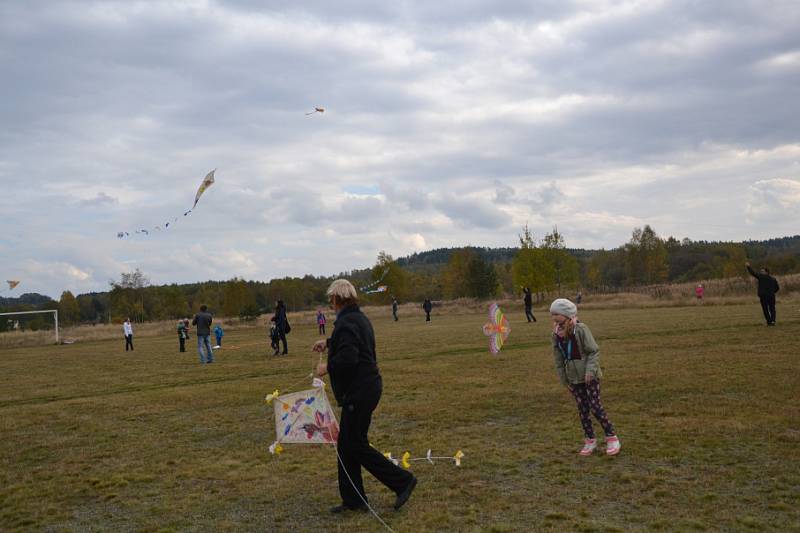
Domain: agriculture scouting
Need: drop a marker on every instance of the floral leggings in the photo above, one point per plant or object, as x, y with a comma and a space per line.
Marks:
588, 398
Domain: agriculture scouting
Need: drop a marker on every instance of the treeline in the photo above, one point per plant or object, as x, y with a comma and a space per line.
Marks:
545, 265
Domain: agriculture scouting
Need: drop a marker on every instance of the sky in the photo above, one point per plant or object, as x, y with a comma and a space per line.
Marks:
446, 124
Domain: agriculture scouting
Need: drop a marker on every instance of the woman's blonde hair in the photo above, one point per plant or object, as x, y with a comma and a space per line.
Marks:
343, 291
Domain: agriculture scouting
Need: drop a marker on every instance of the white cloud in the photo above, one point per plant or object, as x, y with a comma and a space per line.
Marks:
773, 200
443, 127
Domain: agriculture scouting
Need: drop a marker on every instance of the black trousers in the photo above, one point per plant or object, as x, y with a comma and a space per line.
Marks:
128, 342
768, 307
427, 316
529, 313
394, 314
322, 329
355, 452
281, 338
182, 343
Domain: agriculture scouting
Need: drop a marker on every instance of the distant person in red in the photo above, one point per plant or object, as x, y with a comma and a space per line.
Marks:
699, 292
767, 287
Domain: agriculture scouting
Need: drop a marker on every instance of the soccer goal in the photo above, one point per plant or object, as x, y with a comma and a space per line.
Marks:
15, 324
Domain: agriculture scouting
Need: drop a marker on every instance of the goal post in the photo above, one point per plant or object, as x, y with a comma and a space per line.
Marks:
54, 311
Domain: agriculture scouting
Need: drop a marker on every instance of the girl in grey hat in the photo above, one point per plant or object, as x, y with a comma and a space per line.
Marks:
577, 362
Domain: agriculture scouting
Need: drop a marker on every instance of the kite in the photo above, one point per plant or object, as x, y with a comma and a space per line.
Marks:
304, 417
369, 288
11, 284
382, 288
497, 329
207, 182
316, 110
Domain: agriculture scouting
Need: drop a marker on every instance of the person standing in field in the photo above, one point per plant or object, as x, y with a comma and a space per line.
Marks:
577, 361
219, 333
699, 292
181, 335
427, 306
578, 298
357, 385
321, 321
127, 329
186, 330
528, 300
767, 287
281, 326
394, 308
203, 321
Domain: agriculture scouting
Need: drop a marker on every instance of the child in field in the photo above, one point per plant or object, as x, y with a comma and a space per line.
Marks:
273, 335
218, 333
182, 335
321, 321
577, 362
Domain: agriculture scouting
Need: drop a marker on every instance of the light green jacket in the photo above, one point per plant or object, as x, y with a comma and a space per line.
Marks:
574, 371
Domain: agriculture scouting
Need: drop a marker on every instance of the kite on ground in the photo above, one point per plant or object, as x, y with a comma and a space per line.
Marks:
497, 329
316, 110
207, 182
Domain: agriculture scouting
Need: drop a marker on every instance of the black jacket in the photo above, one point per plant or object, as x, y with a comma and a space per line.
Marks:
528, 298
767, 285
203, 322
427, 306
352, 363
281, 320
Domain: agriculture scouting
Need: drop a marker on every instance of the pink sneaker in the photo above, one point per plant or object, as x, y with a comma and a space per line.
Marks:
588, 447
612, 445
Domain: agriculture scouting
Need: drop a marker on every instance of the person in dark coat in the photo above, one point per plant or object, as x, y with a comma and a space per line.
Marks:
528, 304
357, 386
281, 326
394, 308
427, 306
767, 287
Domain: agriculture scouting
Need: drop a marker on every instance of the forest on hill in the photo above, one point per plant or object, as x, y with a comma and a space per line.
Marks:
547, 266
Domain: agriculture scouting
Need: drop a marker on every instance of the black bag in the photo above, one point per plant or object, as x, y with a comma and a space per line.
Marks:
288, 328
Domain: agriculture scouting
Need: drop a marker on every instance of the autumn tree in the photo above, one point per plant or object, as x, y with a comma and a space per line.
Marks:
69, 311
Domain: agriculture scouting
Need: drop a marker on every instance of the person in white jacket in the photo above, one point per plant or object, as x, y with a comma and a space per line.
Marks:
127, 328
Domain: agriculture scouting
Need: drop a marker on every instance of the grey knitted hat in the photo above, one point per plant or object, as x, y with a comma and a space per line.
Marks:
562, 306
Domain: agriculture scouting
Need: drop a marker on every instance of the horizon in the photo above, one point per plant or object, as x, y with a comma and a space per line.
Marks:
440, 126
10, 295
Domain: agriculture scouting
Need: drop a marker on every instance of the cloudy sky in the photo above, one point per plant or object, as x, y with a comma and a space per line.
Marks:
445, 124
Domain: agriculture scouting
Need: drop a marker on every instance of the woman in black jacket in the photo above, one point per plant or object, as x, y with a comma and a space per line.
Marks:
357, 385
281, 326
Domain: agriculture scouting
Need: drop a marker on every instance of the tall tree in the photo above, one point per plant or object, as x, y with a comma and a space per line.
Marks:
68, 309
563, 267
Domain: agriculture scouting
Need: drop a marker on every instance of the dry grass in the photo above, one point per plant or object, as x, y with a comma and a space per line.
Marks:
703, 397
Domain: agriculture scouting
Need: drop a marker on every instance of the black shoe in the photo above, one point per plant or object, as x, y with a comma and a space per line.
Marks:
276, 353
403, 497
344, 508
285, 353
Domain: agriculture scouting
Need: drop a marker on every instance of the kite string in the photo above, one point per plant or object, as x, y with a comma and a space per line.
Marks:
361, 496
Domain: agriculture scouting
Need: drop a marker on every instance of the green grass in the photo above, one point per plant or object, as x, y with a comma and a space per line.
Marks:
705, 400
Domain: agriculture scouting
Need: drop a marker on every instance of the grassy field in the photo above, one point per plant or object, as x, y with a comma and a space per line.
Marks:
705, 399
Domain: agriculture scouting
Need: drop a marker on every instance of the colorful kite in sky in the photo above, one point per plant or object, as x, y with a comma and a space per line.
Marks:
316, 110
11, 284
382, 288
207, 182
370, 287
497, 329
